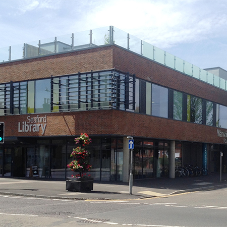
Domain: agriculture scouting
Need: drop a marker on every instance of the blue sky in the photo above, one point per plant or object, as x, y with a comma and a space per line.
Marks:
194, 30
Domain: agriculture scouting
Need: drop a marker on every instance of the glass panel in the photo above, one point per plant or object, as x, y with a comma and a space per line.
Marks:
31, 49
209, 113
137, 96
23, 97
56, 90
216, 81
210, 78
188, 68
105, 91
16, 101
4, 54
95, 158
148, 159
7, 162
170, 60
222, 83
58, 160
64, 43
221, 116
48, 46
135, 44
17, 52
148, 50
177, 105
203, 75
106, 156
120, 38
82, 40
178, 155
179, 65
100, 36
7, 99
42, 96
148, 98
196, 71
65, 93
138, 157
188, 108
159, 101
95, 91
159, 55
43, 161
196, 110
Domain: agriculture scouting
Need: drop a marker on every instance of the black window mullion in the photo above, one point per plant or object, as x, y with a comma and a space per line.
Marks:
99, 104
142, 97
11, 93
51, 94
92, 90
170, 103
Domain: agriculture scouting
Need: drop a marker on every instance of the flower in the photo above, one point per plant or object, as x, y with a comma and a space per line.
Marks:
80, 155
83, 138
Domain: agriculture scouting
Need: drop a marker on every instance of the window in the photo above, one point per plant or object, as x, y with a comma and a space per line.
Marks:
209, 113
148, 98
42, 96
31, 97
159, 101
194, 109
177, 105
221, 115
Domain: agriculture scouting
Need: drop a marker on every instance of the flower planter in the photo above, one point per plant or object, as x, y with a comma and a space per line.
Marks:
79, 184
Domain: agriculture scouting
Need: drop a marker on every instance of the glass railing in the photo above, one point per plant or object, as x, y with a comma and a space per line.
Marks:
105, 36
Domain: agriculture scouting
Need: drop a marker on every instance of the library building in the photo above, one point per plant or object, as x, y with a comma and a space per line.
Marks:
112, 86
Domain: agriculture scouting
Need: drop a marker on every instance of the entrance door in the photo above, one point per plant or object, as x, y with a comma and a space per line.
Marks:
18, 160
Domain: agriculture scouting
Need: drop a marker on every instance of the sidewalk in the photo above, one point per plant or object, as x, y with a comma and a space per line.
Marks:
144, 188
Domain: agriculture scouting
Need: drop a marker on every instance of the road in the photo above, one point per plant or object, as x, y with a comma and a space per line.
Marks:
202, 209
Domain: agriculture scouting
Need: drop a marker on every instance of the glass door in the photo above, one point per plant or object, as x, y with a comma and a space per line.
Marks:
7, 162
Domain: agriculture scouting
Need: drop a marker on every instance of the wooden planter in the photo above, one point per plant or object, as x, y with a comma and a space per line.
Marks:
79, 184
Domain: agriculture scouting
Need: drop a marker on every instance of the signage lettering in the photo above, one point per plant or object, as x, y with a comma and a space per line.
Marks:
33, 124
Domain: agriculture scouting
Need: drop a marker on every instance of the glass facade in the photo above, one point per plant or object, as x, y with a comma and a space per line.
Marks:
159, 101
107, 90
177, 105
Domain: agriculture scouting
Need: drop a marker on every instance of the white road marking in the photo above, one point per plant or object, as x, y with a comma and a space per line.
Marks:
30, 215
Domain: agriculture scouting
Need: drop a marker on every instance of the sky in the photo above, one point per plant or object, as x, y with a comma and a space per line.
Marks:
194, 30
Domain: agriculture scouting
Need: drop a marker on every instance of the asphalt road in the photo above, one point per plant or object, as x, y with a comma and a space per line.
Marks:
202, 209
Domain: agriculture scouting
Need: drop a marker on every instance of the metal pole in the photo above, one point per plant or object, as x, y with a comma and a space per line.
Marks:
221, 154
131, 175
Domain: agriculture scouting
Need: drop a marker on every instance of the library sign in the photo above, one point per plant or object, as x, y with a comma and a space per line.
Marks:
33, 124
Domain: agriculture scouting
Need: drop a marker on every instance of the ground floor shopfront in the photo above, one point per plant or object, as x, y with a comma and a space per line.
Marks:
152, 158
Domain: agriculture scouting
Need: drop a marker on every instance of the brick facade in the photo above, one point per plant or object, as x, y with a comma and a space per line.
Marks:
111, 122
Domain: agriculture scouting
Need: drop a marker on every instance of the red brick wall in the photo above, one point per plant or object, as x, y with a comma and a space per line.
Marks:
148, 70
113, 122
56, 65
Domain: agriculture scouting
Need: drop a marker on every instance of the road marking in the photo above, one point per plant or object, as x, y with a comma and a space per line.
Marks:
151, 193
30, 215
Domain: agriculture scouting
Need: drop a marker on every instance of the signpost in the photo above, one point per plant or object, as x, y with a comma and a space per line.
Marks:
221, 155
131, 147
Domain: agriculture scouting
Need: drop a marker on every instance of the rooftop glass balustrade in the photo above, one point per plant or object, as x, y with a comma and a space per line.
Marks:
106, 36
